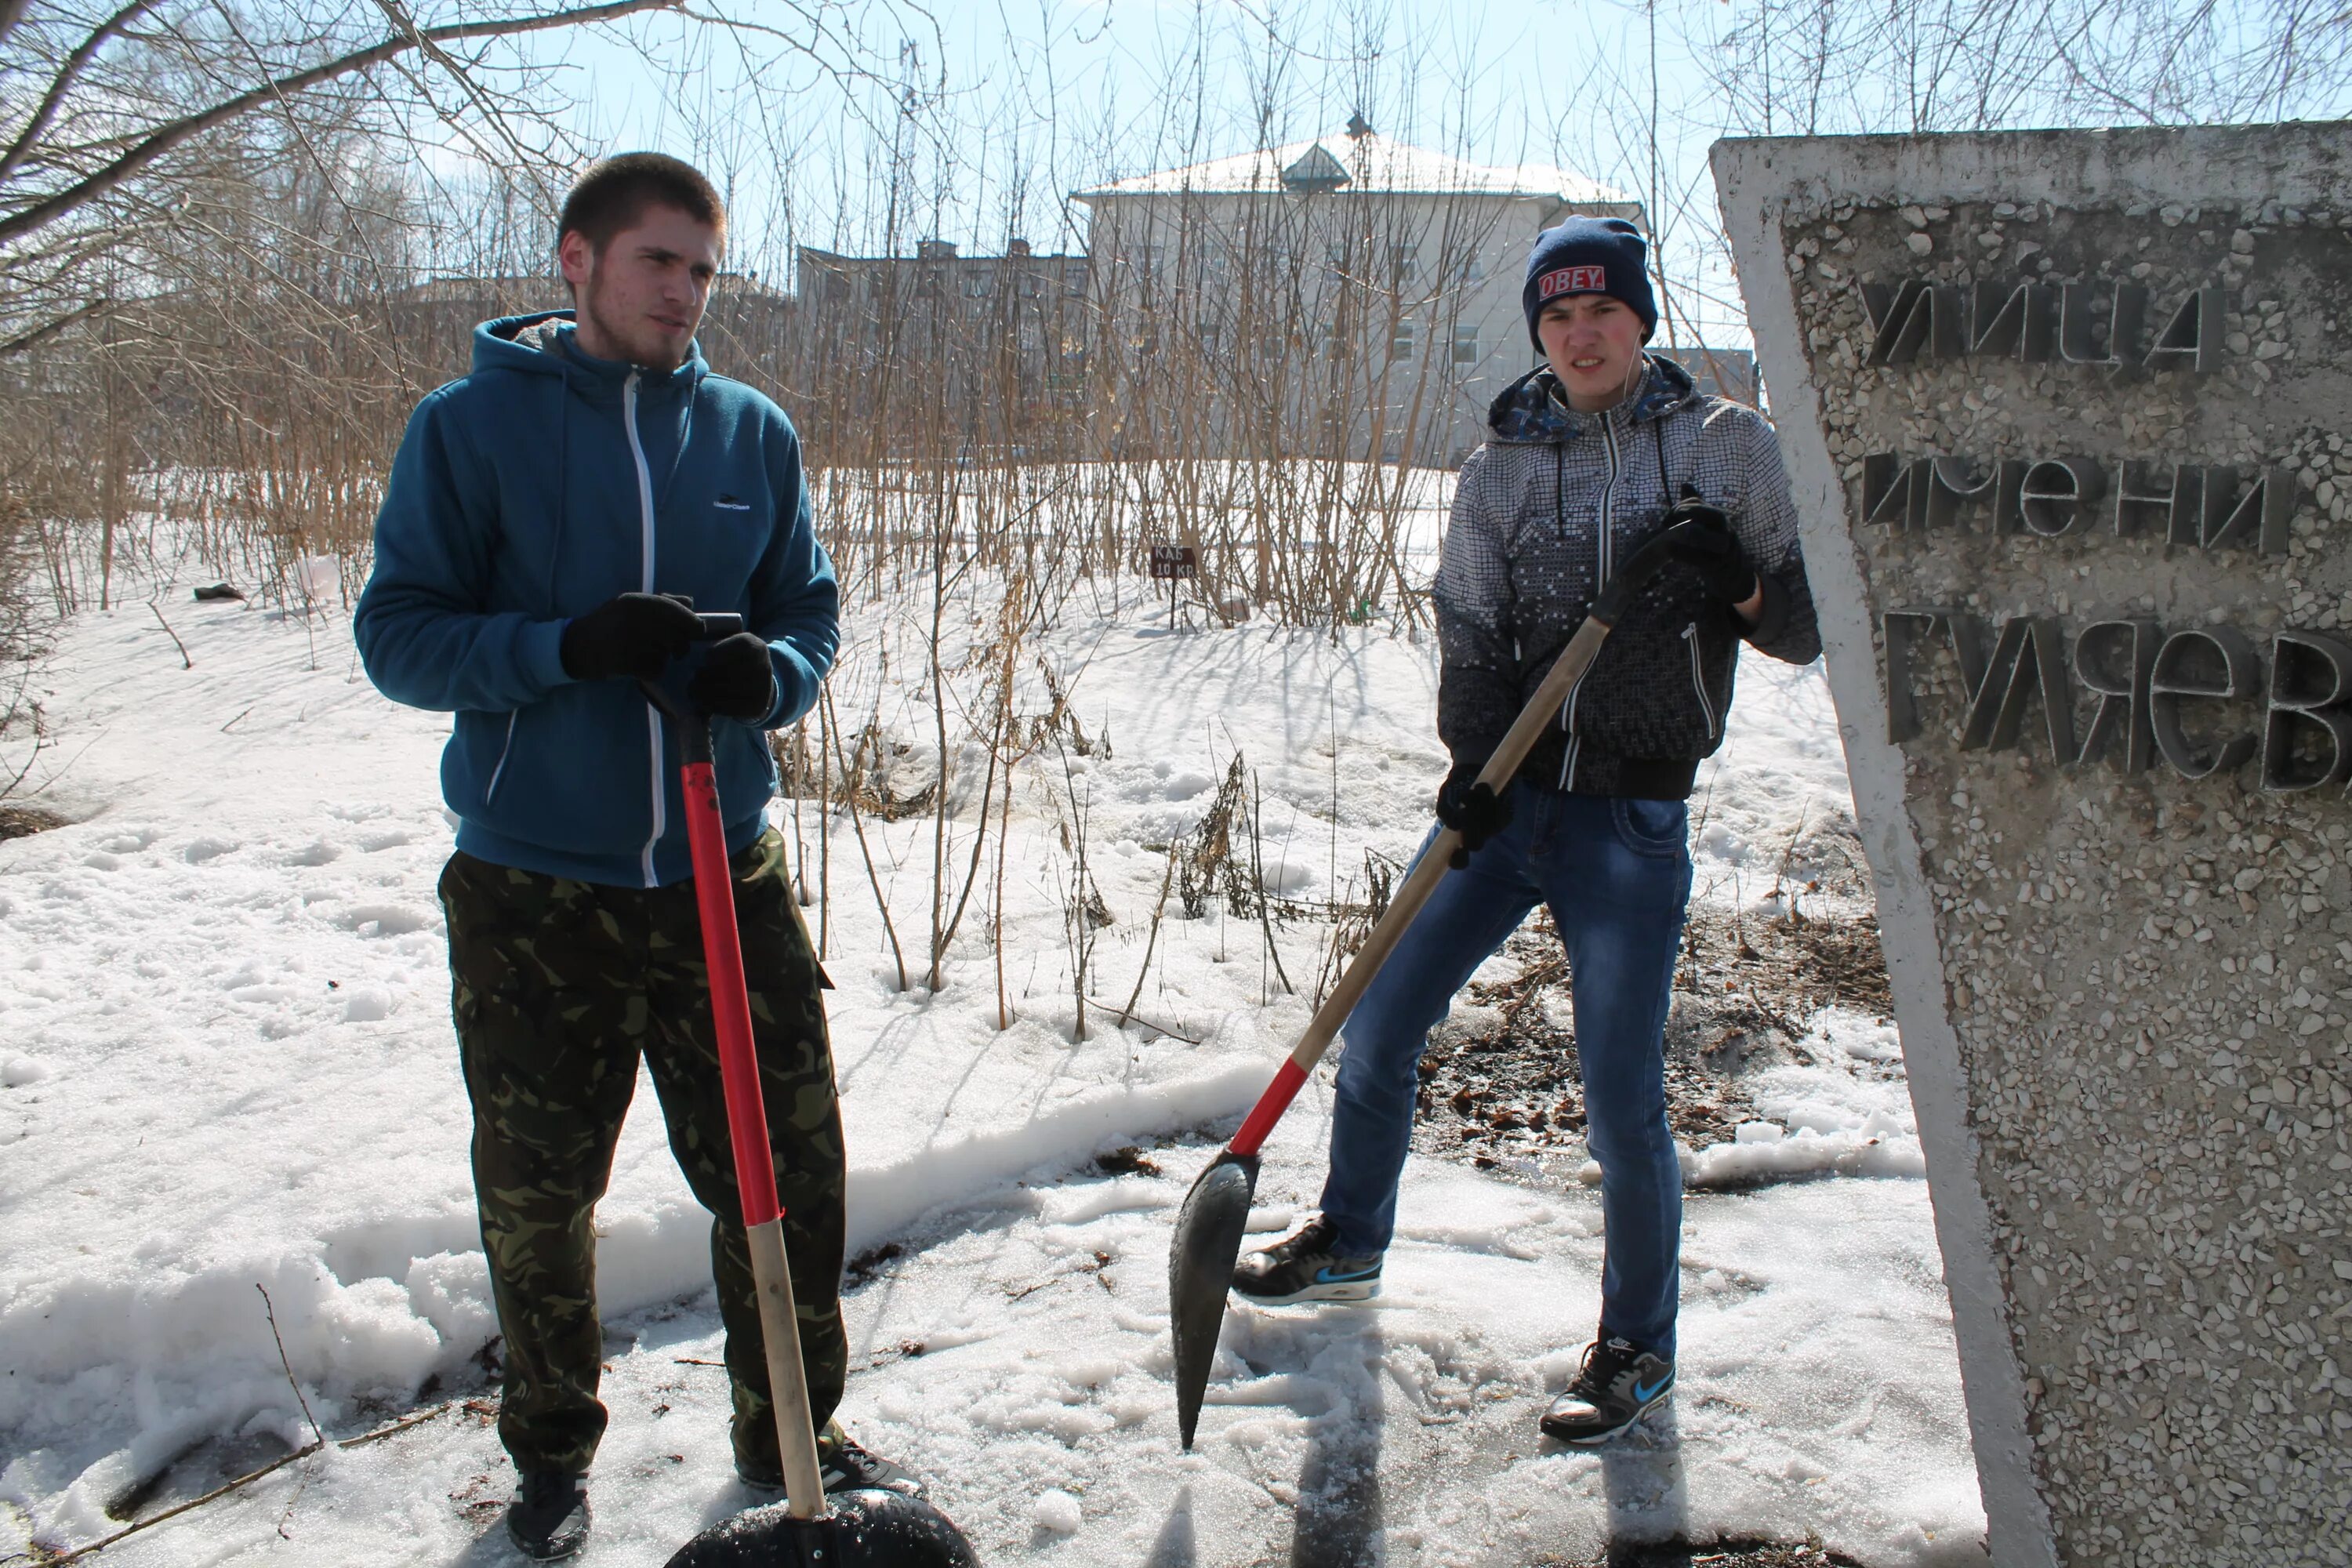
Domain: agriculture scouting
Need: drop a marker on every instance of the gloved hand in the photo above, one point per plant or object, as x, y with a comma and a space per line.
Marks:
632, 636
736, 680
1700, 537
1472, 809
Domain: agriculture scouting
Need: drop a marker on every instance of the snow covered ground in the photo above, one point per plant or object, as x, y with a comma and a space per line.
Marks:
226, 1061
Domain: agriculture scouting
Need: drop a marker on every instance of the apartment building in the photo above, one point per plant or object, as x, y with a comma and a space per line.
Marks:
994, 347
1353, 288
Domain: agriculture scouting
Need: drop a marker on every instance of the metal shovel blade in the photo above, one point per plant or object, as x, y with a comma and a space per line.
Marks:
1199, 1270
869, 1528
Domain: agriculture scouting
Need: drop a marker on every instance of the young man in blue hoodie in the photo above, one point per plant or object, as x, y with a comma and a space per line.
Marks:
541, 511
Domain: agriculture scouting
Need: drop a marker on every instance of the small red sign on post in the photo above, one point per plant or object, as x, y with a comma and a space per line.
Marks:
1170, 562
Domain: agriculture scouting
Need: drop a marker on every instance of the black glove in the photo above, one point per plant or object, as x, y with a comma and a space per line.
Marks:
1472, 809
737, 679
632, 637
1700, 536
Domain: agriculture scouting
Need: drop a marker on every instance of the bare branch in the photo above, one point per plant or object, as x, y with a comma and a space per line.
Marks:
162, 141
48, 330
66, 76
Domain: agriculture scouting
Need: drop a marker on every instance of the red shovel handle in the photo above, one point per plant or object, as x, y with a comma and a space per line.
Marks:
730, 1001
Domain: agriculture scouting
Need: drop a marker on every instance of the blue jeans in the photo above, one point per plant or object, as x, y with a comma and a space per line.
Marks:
1617, 875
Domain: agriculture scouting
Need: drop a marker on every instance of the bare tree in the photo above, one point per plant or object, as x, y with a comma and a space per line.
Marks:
103, 145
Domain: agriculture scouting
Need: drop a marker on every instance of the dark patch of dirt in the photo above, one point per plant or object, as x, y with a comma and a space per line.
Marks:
869, 1263
24, 821
1127, 1160
1714, 1554
1500, 1076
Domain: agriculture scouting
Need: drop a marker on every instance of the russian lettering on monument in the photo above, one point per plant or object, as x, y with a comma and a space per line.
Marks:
2068, 416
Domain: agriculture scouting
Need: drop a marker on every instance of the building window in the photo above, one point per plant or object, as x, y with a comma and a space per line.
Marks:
1401, 341
975, 283
1401, 264
1465, 345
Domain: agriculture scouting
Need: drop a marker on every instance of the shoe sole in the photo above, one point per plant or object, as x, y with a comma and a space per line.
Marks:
542, 1553
1343, 1290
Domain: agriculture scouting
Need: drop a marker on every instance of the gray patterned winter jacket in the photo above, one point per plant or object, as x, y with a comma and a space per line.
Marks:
1542, 513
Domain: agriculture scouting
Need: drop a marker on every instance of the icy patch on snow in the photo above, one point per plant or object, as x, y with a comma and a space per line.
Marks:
1848, 1114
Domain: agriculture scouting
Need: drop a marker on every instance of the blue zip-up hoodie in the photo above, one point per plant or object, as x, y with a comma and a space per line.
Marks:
534, 489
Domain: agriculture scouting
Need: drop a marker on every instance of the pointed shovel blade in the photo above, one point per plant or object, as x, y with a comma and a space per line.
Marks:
1201, 1268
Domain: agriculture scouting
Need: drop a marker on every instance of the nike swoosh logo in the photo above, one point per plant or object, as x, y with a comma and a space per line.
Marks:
1643, 1395
1325, 1277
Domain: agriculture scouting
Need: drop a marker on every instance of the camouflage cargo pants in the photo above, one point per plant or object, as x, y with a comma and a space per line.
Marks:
558, 988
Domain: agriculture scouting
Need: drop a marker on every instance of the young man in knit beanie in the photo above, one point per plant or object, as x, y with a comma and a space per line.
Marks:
1599, 449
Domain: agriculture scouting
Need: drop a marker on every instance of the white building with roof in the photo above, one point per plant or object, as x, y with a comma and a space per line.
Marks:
1353, 287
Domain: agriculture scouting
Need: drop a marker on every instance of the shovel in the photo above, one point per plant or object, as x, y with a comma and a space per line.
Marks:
868, 1528
1210, 1224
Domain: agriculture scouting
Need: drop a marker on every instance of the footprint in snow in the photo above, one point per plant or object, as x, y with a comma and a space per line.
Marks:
383, 920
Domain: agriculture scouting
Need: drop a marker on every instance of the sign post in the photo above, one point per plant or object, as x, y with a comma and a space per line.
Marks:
1175, 563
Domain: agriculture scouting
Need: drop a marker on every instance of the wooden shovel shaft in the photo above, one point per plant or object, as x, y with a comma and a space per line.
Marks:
1551, 693
779, 1335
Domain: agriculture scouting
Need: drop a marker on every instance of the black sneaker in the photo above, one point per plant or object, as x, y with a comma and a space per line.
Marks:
843, 1466
1304, 1267
849, 1466
1618, 1384
549, 1516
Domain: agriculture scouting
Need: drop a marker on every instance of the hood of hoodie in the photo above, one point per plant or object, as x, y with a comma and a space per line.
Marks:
1532, 410
546, 343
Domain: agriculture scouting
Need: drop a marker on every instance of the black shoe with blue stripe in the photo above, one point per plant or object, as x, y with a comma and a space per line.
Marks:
1304, 1268
1618, 1384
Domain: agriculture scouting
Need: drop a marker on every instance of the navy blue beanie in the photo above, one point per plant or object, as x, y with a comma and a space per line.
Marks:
1588, 256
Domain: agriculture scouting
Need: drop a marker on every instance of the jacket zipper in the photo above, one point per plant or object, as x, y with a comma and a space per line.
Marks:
645, 570
1698, 680
1603, 552
506, 749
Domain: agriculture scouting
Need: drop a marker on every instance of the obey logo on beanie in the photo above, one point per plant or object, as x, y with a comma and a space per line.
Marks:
1572, 280
1588, 256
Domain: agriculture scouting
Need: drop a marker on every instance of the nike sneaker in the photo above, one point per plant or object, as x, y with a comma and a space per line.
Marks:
1304, 1268
1618, 1384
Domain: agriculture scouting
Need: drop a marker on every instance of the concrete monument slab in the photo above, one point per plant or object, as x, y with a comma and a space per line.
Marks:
2067, 415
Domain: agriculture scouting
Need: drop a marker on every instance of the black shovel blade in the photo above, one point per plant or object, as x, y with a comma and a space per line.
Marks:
1199, 1270
869, 1528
